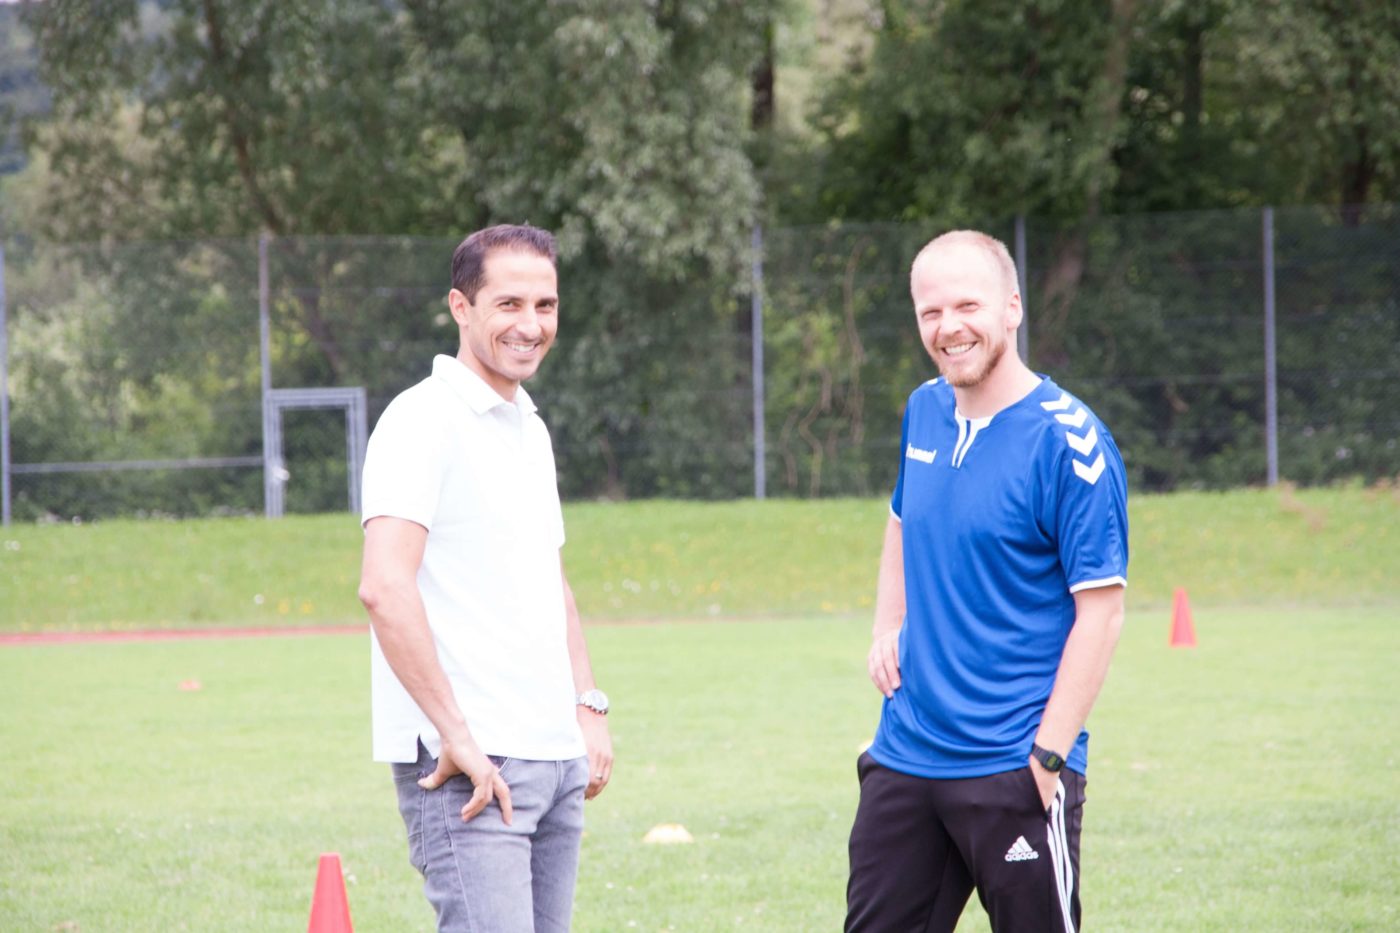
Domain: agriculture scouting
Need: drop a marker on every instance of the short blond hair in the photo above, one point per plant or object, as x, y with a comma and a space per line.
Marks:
993, 247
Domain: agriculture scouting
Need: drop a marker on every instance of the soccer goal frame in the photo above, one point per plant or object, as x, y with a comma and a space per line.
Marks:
277, 401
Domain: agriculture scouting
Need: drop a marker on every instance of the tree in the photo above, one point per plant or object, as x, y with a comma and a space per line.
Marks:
22, 95
623, 127
1327, 76
261, 116
967, 110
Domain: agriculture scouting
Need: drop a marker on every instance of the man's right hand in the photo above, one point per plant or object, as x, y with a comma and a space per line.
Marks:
883, 663
487, 783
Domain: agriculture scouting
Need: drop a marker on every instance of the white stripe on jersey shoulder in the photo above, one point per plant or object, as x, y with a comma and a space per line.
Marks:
895, 515
1071, 413
1099, 584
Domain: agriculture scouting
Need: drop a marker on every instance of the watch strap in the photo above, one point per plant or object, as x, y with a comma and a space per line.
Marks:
1050, 761
593, 699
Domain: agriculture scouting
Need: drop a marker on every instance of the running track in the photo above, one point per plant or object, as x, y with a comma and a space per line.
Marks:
272, 631
177, 634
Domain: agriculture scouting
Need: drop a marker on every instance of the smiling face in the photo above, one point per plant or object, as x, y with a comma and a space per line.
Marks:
510, 325
967, 309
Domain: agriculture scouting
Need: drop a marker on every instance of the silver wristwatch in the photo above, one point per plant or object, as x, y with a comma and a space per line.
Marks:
594, 699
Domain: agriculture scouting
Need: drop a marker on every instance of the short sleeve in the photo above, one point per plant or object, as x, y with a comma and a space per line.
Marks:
1091, 510
557, 518
897, 500
403, 465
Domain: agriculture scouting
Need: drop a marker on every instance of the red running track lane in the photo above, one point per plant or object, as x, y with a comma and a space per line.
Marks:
176, 634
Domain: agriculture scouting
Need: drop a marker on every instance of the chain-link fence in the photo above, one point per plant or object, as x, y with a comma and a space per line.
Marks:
1170, 333
138, 376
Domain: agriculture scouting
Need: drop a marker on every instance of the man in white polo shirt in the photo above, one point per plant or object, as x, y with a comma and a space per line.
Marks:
483, 696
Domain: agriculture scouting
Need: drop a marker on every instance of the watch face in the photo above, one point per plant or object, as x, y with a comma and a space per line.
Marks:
595, 700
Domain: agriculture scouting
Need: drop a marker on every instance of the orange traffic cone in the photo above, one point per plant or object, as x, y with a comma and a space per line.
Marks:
330, 912
1183, 632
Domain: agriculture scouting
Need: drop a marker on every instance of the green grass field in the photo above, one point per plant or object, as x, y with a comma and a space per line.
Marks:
657, 560
1247, 784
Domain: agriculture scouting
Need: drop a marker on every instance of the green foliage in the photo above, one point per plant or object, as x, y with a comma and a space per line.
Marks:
1166, 341
1003, 118
621, 127
631, 130
245, 116
843, 355
1338, 300
1192, 133
1287, 101
22, 95
615, 124
149, 351
104, 366
203, 809
1328, 78
1043, 108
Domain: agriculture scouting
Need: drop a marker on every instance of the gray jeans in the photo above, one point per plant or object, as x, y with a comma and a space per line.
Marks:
483, 876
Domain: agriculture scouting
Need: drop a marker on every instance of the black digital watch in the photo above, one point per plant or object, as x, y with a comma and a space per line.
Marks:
1049, 760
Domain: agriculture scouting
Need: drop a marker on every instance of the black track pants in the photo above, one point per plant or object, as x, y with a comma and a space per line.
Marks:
919, 846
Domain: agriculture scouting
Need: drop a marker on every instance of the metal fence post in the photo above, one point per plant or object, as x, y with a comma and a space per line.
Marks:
760, 453
1023, 333
4, 400
356, 439
1270, 353
265, 356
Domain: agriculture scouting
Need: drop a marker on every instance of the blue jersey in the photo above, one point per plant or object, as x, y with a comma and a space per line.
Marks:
1003, 520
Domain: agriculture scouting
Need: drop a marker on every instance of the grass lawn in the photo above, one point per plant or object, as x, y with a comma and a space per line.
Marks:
1247, 784
658, 560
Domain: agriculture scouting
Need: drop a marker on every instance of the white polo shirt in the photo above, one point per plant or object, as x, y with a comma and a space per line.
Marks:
478, 472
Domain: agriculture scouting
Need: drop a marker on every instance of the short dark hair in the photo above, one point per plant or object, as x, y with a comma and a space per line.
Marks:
469, 258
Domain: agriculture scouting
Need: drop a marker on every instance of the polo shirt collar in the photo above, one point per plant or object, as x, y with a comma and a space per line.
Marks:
474, 390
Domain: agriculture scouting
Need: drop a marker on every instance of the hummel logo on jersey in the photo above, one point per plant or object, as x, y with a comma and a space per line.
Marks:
1021, 851
923, 456
1082, 444
1075, 420
1089, 472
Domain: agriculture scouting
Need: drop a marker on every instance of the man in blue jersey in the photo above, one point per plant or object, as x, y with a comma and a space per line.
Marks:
999, 603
